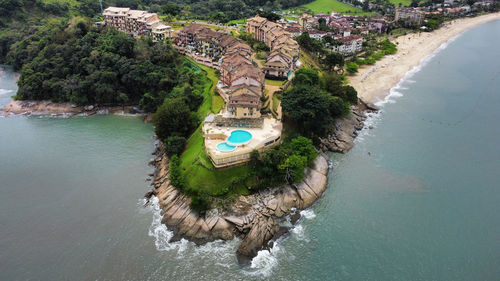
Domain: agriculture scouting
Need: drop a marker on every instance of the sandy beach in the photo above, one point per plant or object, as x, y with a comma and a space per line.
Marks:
373, 82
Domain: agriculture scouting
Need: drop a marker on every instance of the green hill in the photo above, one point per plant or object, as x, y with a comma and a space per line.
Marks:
327, 6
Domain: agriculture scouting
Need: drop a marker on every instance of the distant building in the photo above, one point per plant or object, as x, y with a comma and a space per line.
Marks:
137, 23
350, 45
411, 16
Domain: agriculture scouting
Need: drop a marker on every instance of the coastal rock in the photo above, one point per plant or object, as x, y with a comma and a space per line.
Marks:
345, 130
316, 182
44, 107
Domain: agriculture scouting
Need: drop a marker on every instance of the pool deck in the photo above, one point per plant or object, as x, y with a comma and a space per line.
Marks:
262, 139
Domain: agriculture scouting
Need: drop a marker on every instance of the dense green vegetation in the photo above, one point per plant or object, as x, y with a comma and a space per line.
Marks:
314, 101
284, 163
76, 63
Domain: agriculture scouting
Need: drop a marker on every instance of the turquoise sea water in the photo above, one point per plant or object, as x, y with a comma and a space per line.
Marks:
418, 198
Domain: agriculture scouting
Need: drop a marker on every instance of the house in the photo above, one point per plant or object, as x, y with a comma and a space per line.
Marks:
244, 103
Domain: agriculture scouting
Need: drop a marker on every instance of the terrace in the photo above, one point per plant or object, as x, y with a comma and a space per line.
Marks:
224, 151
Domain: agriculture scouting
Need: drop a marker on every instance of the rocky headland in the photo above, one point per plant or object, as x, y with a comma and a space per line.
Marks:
38, 108
260, 218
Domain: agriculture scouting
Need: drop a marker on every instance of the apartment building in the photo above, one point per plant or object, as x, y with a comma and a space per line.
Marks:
284, 49
137, 23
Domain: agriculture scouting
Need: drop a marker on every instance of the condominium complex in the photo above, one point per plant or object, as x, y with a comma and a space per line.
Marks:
284, 49
241, 82
137, 23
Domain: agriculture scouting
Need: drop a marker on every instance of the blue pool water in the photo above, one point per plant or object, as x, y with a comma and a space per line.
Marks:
239, 137
223, 146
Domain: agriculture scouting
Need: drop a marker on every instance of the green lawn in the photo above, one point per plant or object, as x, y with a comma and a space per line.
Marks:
197, 168
326, 6
275, 82
213, 101
403, 2
240, 21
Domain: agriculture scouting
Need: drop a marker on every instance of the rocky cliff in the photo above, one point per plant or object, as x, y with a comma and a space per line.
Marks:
254, 218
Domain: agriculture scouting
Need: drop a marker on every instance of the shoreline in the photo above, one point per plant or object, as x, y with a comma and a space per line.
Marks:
373, 82
48, 108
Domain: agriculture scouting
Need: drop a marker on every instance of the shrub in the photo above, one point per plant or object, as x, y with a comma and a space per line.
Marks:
174, 145
174, 117
176, 178
352, 67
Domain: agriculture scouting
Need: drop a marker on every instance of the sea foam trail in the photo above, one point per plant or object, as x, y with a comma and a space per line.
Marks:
221, 252
396, 92
5, 93
267, 260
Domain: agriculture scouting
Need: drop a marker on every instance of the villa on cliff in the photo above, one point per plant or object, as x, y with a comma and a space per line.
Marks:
137, 23
232, 135
284, 54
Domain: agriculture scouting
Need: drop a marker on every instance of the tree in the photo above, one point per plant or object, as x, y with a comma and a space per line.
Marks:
171, 9
333, 60
174, 118
352, 67
306, 76
351, 95
174, 145
293, 168
322, 24
309, 108
312, 45
270, 16
303, 147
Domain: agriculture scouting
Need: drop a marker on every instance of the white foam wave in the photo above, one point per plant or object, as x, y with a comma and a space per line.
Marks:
299, 232
265, 261
222, 252
161, 233
308, 214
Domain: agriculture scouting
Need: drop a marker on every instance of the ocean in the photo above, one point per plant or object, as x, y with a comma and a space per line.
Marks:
417, 198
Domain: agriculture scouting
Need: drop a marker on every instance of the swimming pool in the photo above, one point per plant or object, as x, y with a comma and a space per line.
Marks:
239, 137
223, 146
